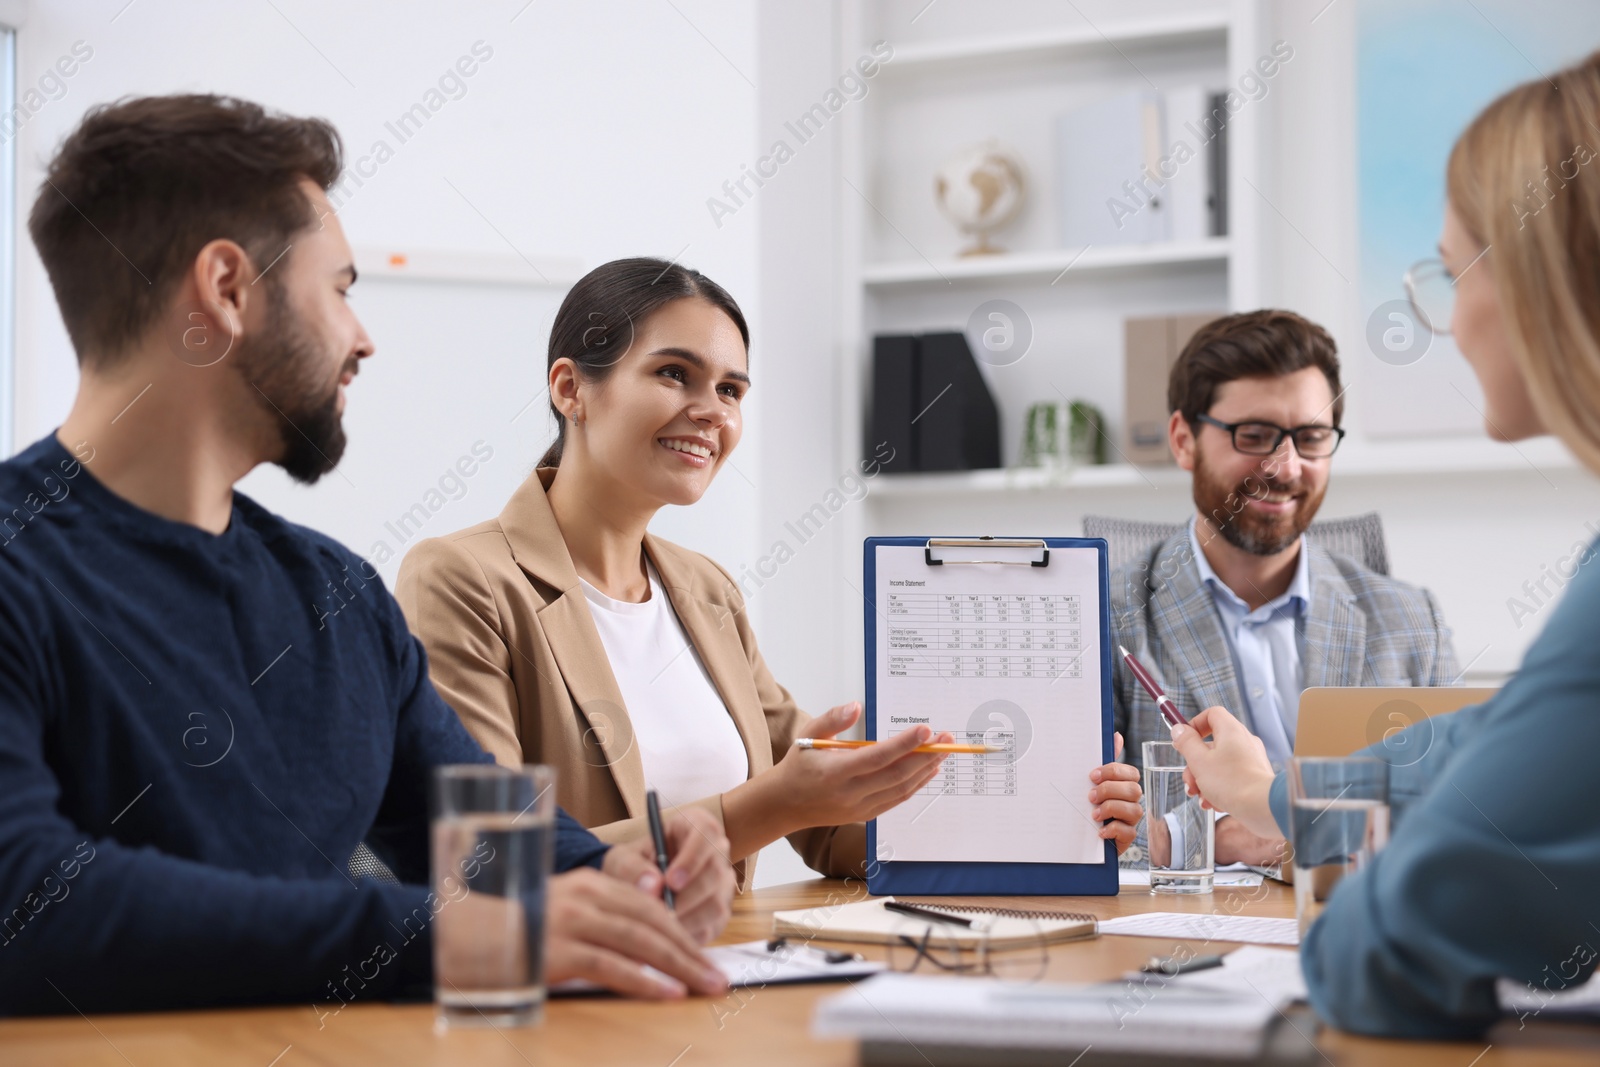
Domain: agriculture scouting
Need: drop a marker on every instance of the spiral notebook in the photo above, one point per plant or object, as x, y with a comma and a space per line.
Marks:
870, 921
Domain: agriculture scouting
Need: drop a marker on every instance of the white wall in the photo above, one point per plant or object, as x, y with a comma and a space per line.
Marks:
595, 130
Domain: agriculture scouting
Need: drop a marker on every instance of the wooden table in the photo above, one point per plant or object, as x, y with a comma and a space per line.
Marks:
767, 1027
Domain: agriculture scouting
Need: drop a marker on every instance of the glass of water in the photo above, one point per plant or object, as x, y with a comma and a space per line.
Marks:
1181, 836
1339, 819
493, 837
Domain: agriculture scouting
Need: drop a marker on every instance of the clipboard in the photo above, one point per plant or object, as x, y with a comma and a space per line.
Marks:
976, 568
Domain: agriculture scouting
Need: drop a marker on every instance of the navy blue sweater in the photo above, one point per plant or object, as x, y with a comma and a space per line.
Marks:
196, 731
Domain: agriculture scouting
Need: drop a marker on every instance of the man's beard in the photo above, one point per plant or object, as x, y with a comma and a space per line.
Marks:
283, 366
1243, 527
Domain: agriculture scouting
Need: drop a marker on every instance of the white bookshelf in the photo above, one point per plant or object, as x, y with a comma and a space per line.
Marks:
900, 271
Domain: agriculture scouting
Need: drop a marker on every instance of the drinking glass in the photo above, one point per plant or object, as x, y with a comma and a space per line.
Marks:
493, 837
1181, 836
1339, 819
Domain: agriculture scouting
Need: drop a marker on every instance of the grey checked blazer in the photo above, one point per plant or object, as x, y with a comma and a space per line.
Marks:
1363, 628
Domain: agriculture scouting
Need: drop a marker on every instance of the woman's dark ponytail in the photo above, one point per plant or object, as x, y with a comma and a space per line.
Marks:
595, 325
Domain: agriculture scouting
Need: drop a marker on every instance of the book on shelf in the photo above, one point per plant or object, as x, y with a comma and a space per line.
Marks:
1143, 167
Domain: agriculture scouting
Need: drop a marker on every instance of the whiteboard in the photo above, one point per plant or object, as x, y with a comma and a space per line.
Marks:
444, 421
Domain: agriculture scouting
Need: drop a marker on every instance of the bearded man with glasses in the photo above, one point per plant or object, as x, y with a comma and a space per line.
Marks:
1239, 609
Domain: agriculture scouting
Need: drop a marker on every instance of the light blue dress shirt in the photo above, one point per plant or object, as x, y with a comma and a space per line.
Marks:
1266, 646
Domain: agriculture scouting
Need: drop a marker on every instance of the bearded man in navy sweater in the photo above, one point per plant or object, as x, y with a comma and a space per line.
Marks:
190, 750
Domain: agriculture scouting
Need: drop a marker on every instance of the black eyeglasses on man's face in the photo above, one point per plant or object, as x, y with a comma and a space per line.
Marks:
1264, 438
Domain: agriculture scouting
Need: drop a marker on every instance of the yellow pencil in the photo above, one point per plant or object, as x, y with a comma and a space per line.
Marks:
953, 750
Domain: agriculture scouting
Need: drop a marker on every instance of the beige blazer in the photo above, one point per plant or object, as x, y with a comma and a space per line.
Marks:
513, 648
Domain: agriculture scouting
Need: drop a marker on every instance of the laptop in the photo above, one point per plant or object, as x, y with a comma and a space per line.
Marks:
1342, 720
1339, 721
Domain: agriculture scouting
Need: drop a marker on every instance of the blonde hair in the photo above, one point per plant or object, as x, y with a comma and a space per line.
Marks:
1524, 179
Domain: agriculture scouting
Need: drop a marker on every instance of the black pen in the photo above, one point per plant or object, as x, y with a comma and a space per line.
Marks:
925, 913
1157, 965
652, 808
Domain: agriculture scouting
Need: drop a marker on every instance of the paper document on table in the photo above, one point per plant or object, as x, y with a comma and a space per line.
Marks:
995, 654
1254, 970
1204, 926
1526, 1000
753, 963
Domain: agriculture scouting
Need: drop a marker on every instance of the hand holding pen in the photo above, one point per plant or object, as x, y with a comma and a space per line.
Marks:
697, 878
834, 788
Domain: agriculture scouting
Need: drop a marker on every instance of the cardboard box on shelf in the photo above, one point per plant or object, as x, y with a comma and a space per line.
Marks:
1151, 347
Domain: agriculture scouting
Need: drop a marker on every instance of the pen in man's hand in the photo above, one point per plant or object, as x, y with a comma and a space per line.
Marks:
658, 837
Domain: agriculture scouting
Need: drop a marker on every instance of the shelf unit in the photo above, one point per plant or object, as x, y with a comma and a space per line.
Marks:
900, 270
928, 287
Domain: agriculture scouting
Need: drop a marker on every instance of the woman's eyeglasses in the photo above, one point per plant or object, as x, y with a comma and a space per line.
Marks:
1431, 289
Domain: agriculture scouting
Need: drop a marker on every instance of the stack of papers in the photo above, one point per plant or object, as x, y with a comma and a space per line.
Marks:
1228, 1011
986, 1012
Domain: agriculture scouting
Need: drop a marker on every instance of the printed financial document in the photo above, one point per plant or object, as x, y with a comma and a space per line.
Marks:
1008, 656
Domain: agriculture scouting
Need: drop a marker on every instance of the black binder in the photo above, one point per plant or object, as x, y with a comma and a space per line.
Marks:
894, 391
957, 425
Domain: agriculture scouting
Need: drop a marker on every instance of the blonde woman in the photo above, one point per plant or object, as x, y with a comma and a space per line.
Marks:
1488, 876
563, 632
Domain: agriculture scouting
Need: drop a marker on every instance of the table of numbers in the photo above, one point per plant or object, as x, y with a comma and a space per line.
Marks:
959, 635
992, 775
1039, 609
914, 664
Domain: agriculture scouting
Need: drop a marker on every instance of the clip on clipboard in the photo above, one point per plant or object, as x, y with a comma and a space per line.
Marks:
1011, 649
986, 542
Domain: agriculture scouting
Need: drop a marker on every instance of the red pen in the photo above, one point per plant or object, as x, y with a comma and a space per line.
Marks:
1169, 710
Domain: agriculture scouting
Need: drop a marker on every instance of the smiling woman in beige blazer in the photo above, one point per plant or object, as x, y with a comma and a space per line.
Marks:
564, 633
